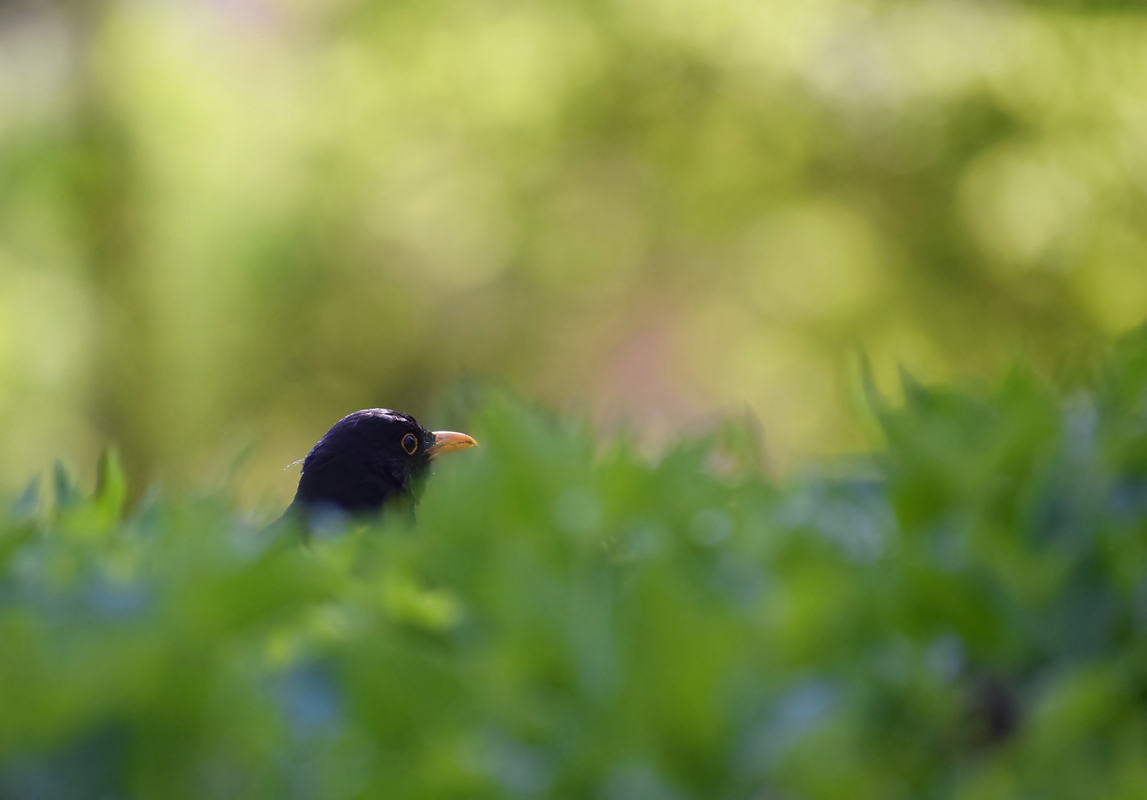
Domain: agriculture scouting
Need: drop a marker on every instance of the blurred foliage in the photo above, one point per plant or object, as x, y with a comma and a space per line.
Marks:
231, 222
963, 619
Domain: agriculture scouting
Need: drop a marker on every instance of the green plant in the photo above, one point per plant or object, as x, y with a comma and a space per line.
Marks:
568, 620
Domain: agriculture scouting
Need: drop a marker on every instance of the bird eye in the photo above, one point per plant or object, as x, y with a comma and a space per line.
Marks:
410, 444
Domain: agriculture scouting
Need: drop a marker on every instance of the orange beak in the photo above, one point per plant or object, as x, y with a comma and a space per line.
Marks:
448, 442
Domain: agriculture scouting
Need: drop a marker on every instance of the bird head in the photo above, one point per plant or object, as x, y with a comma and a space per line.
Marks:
369, 459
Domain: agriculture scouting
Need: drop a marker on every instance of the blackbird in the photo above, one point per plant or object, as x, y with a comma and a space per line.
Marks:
369, 460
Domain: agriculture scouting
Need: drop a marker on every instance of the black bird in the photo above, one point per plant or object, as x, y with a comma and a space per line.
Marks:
369, 460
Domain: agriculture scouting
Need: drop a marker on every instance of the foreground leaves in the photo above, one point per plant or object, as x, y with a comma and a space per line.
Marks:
570, 622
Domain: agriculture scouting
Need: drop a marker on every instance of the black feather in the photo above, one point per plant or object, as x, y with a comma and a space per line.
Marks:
360, 466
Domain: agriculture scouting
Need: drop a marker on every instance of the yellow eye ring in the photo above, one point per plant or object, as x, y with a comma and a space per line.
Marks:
410, 444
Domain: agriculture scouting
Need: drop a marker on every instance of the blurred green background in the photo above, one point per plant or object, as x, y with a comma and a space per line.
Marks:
225, 224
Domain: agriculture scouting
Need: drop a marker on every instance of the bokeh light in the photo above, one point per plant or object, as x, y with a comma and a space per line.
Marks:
224, 225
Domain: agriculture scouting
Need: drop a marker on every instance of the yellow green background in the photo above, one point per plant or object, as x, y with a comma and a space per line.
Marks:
223, 225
